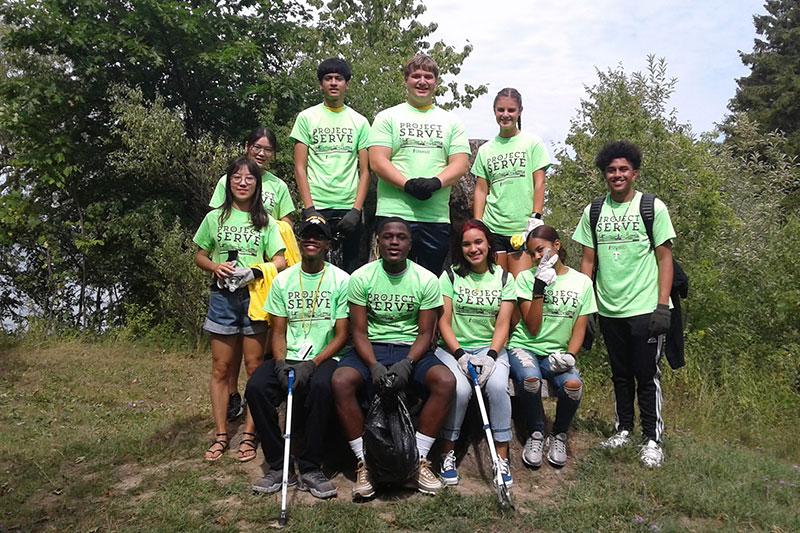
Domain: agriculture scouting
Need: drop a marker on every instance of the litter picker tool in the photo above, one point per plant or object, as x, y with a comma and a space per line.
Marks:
287, 442
503, 492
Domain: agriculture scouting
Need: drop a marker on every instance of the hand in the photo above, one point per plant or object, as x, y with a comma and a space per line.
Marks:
430, 185
377, 372
282, 373
545, 273
533, 222
484, 366
349, 222
463, 359
309, 211
302, 373
402, 372
415, 188
224, 270
240, 278
660, 321
561, 361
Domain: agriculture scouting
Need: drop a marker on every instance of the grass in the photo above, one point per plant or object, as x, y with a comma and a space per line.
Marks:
108, 437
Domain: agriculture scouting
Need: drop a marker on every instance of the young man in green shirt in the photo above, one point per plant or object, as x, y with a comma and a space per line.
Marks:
633, 284
307, 304
419, 151
331, 165
393, 307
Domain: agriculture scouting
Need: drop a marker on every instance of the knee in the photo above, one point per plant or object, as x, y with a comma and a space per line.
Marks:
573, 389
442, 381
532, 384
219, 371
342, 383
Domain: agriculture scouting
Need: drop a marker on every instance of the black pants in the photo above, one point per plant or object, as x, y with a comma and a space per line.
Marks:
634, 358
430, 243
313, 413
350, 243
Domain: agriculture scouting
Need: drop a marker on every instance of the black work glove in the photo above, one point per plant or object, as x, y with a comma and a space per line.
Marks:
302, 373
430, 185
282, 373
415, 188
309, 211
402, 372
349, 222
377, 372
659, 321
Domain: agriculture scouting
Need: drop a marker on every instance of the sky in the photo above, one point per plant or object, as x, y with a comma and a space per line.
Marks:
548, 50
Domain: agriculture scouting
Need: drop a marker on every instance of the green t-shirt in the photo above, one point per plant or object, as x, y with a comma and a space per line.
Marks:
393, 302
274, 194
569, 297
476, 301
311, 303
508, 166
333, 139
237, 233
421, 143
627, 273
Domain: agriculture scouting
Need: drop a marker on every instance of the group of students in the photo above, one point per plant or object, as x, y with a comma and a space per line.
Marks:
509, 304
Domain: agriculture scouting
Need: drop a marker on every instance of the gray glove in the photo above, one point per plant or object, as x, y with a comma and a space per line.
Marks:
561, 361
660, 321
484, 366
402, 373
309, 211
302, 373
240, 278
282, 373
377, 372
349, 222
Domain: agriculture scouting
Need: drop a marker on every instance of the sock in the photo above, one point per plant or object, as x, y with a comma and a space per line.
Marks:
357, 445
424, 444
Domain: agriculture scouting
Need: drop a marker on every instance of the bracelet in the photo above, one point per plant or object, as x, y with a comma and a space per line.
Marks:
458, 353
537, 215
492, 353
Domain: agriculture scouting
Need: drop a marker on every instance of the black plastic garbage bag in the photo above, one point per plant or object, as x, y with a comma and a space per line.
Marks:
390, 443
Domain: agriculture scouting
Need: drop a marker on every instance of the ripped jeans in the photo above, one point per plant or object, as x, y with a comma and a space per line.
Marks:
527, 372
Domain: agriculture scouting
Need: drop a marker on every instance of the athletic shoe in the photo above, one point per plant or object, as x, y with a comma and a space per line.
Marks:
272, 482
448, 472
532, 454
362, 488
617, 440
652, 455
505, 472
317, 484
235, 407
427, 482
557, 452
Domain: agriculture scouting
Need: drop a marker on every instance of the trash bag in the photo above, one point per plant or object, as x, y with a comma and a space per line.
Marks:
390, 443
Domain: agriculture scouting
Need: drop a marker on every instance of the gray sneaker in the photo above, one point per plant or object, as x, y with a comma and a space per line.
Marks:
532, 454
317, 484
272, 482
557, 454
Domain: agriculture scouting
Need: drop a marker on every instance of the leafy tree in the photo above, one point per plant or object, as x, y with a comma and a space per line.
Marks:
770, 94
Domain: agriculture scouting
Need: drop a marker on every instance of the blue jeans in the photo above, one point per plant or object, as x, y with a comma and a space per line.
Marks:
527, 371
496, 389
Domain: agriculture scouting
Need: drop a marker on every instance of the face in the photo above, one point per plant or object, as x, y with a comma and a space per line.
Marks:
620, 176
394, 242
243, 184
333, 86
261, 151
313, 244
421, 86
506, 113
475, 247
537, 247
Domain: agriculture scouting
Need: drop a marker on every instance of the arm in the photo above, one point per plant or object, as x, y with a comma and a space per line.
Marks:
363, 179
578, 332
479, 198
457, 166
287, 219
502, 326
278, 325
301, 174
220, 270
381, 163
445, 325
279, 261
664, 257
538, 191
426, 321
358, 332
587, 261
336, 344
531, 311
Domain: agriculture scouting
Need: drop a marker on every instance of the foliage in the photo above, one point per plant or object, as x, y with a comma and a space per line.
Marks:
770, 94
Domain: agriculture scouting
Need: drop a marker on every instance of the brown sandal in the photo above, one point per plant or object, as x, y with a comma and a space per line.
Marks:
217, 448
251, 447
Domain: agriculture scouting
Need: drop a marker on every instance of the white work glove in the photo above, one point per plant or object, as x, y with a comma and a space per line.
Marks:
484, 366
561, 361
240, 278
545, 271
533, 223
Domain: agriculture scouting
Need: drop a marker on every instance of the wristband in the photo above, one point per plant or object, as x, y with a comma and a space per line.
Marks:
257, 274
458, 353
492, 354
538, 288
537, 215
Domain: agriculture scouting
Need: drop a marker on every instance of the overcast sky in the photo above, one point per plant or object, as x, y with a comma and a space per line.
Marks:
549, 49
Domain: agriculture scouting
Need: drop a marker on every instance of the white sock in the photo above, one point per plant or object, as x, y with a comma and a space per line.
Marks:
357, 445
424, 444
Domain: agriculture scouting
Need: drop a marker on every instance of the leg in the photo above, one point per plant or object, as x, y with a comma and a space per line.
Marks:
264, 395
441, 386
345, 384
501, 259
451, 429
223, 348
517, 262
616, 333
528, 380
645, 357
496, 391
253, 352
569, 390
318, 412
430, 245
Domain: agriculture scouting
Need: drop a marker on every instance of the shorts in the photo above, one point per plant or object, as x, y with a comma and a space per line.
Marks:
388, 354
227, 313
502, 245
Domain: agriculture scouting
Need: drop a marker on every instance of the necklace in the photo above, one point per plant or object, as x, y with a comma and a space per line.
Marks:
305, 321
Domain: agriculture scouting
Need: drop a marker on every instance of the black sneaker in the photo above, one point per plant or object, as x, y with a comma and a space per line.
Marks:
317, 484
235, 407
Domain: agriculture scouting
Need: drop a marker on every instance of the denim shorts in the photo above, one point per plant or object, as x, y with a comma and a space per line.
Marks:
388, 354
227, 313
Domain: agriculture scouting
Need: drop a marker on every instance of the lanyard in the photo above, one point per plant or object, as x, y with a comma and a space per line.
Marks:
305, 321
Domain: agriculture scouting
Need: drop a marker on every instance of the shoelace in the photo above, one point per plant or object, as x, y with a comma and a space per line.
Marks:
449, 461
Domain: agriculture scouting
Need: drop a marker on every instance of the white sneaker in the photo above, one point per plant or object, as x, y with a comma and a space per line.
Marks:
617, 440
652, 455
532, 454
